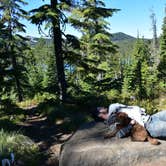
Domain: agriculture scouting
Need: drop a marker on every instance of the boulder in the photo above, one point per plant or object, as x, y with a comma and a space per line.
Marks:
87, 147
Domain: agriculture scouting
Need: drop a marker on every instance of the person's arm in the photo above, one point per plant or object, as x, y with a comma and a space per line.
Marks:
124, 131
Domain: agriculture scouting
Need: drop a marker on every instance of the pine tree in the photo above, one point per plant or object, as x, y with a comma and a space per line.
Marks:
54, 17
162, 64
137, 73
11, 13
4, 62
96, 46
41, 67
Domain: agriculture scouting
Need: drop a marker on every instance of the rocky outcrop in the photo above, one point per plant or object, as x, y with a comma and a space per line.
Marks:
87, 147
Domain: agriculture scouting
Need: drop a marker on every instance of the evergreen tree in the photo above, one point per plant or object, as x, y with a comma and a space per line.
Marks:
4, 62
41, 67
137, 76
52, 14
96, 46
11, 13
162, 64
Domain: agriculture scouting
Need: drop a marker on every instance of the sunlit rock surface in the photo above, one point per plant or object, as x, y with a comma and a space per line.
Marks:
87, 147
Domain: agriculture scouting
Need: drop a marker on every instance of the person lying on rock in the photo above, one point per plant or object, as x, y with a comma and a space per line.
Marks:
155, 124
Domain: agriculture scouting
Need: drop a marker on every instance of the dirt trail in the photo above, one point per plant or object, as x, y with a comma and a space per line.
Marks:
48, 137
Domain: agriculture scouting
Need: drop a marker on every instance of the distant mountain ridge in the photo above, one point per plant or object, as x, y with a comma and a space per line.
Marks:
124, 41
115, 37
120, 36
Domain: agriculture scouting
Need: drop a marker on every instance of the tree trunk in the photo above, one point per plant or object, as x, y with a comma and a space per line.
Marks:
139, 75
57, 39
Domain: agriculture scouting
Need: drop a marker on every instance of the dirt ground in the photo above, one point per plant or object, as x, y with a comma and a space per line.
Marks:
48, 137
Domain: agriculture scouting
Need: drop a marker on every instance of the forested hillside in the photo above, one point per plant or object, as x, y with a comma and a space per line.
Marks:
119, 36
124, 41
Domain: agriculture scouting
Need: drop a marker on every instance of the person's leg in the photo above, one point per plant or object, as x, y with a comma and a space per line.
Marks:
160, 115
156, 127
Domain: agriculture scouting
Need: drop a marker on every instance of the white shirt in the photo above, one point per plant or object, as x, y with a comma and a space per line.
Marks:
133, 112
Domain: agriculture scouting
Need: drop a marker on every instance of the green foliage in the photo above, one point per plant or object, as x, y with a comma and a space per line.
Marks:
151, 106
14, 44
139, 78
23, 148
113, 96
96, 46
162, 63
11, 115
125, 49
5, 72
55, 19
161, 102
46, 13
41, 68
119, 36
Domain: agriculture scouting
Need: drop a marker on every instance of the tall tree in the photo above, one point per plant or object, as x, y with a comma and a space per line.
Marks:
4, 61
57, 38
97, 48
137, 73
162, 64
154, 28
41, 67
11, 13
154, 58
53, 14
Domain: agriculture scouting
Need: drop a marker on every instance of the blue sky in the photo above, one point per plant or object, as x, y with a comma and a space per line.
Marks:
133, 17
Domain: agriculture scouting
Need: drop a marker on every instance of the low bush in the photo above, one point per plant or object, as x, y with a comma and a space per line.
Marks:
24, 149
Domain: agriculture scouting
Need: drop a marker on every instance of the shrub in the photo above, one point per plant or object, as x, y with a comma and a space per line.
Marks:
113, 95
24, 148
